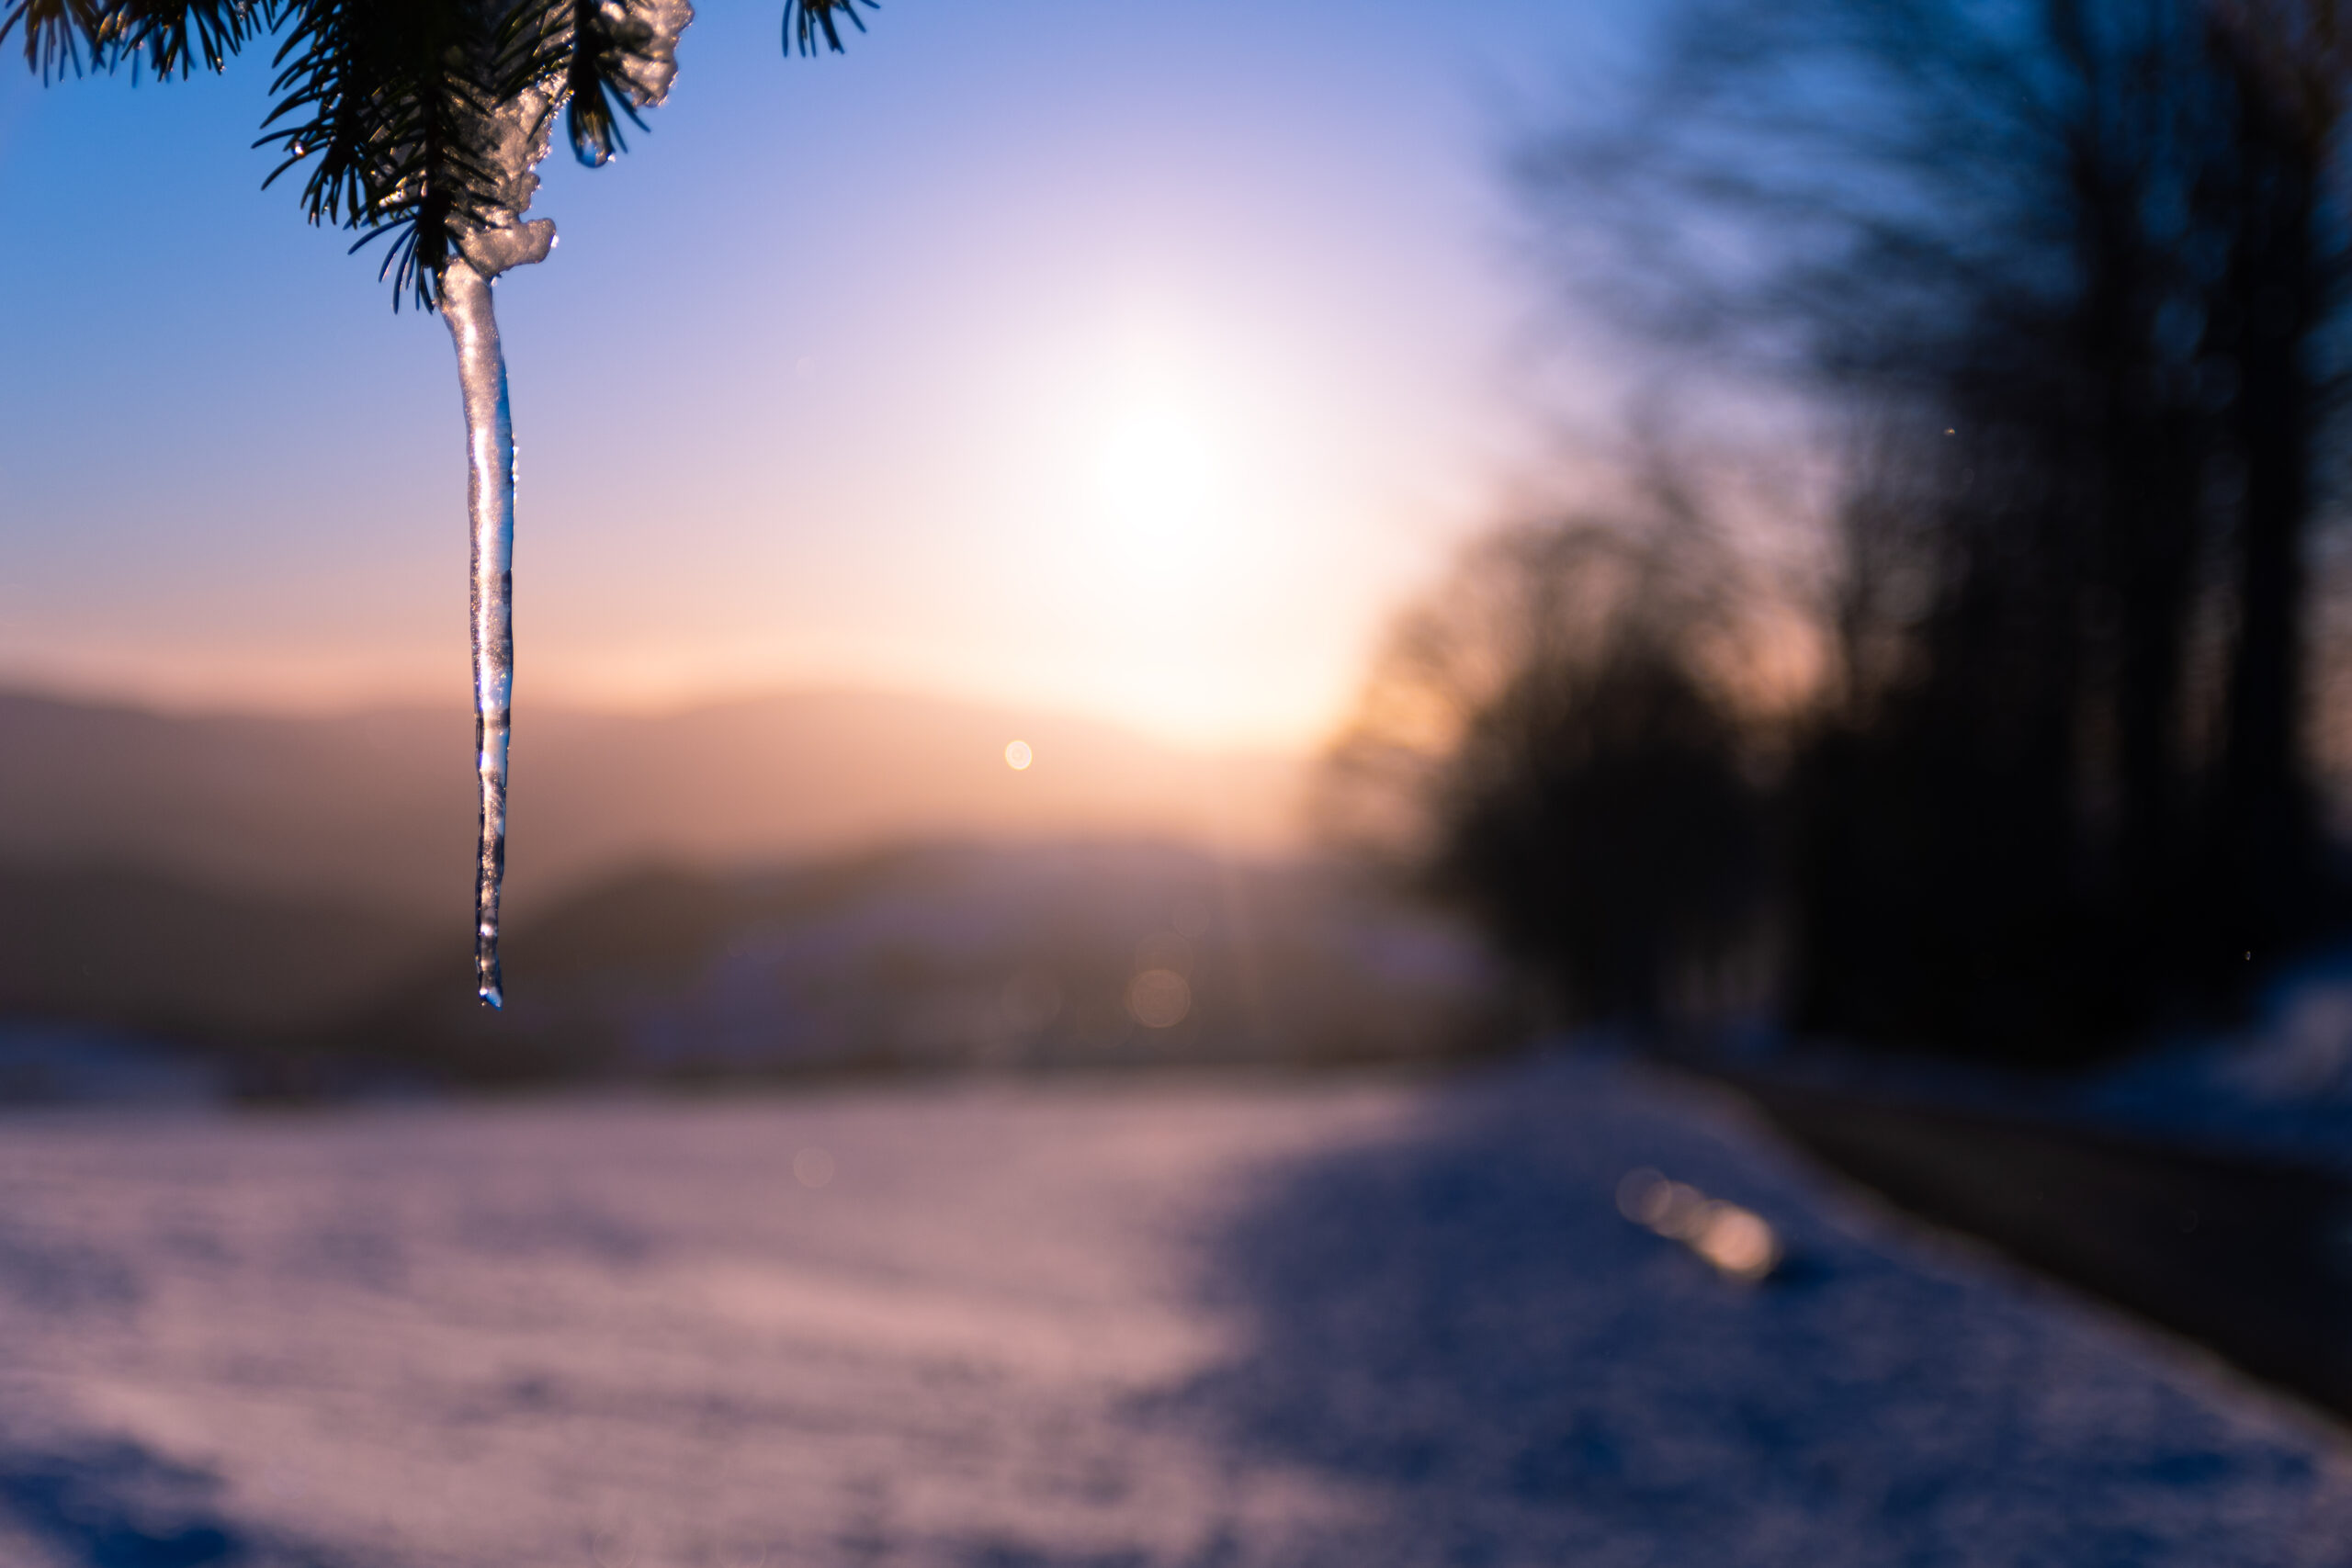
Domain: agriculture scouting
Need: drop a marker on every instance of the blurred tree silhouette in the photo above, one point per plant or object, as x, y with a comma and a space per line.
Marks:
2280, 305
1556, 741
2069, 273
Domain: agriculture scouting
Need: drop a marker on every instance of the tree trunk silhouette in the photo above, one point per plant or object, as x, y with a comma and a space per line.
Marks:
2267, 833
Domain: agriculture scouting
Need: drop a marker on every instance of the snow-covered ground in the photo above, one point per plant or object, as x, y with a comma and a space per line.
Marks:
1326, 1322
2282, 1085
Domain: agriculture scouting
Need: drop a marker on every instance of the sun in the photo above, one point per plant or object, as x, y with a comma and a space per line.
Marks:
1157, 476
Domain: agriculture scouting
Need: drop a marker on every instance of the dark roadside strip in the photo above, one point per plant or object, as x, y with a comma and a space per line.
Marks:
2248, 1256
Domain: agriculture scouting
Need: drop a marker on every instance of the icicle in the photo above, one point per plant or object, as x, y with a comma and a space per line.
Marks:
490, 508
510, 140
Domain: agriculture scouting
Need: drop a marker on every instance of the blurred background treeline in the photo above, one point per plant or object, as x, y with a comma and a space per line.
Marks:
1983, 703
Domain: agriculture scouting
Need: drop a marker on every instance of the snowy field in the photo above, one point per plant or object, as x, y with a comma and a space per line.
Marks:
1376, 1322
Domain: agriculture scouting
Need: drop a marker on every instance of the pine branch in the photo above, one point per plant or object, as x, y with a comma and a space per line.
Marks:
56, 34
395, 108
609, 44
804, 21
170, 36
404, 113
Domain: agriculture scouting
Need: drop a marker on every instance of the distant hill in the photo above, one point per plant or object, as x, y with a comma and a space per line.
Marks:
951, 955
105, 945
913, 956
374, 811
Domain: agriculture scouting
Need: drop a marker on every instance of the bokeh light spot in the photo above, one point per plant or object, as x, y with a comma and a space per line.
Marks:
1159, 998
1739, 1242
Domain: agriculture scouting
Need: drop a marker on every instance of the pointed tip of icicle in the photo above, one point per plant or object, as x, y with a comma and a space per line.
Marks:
493, 997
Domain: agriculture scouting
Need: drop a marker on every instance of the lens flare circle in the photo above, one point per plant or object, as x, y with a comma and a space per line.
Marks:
1159, 998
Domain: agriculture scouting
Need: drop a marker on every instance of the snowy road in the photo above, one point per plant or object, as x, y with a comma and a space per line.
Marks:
1370, 1322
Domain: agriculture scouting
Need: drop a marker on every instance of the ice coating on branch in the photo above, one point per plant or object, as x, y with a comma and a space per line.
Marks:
514, 143
623, 55
492, 251
656, 63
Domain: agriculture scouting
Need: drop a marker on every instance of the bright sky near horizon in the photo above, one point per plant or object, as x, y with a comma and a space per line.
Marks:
1126, 358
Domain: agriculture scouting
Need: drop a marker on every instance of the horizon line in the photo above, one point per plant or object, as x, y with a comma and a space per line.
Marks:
19, 685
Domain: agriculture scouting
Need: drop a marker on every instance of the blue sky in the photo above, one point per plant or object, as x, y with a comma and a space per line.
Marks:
1129, 358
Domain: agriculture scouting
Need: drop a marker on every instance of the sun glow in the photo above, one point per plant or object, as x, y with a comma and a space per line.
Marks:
1155, 465
1179, 529
1157, 478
